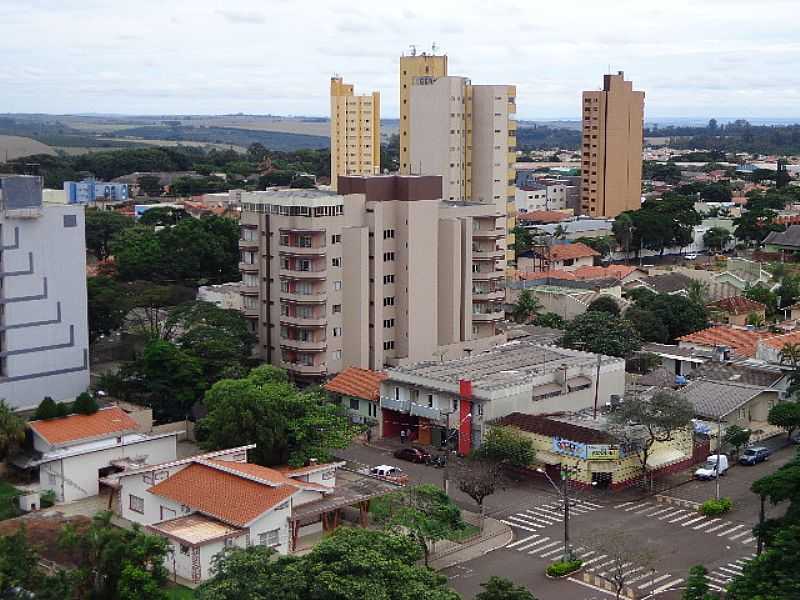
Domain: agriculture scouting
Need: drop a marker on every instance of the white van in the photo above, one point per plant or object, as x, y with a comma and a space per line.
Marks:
708, 470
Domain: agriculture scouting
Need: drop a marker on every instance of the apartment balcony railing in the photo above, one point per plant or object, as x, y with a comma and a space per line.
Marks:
402, 406
303, 369
300, 274
248, 267
498, 232
488, 254
312, 321
491, 315
487, 275
488, 295
248, 244
315, 298
302, 250
305, 345
428, 412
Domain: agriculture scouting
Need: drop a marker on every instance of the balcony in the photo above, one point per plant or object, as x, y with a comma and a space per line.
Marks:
249, 290
488, 316
487, 275
305, 345
488, 295
489, 233
428, 412
301, 369
313, 321
495, 254
402, 406
302, 250
248, 267
251, 313
315, 298
248, 244
298, 274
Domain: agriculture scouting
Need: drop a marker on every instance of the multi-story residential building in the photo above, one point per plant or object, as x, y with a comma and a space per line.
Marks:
411, 67
384, 272
611, 157
355, 131
466, 134
91, 191
44, 345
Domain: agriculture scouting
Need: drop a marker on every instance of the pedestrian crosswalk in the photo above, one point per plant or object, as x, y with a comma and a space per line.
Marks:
720, 577
647, 580
535, 518
691, 519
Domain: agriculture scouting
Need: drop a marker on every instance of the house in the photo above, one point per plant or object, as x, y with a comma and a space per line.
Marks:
558, 292
666, 283
731, 403
678, 360
729, 340
456, 399
358, 391
746, 371
786, 242
586, 444
769, 349
71, 454
558, 257
736, 310
542, 217
623, 273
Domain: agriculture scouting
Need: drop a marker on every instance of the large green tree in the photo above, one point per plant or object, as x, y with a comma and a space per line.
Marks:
101, 227
12, 430
773, 575
679, 315
602, 333
507, 445
526, 307
785, 415
717, 238
500, 588
107, 306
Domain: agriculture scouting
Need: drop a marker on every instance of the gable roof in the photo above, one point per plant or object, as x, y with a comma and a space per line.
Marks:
542, 216
266, 475
668, 283
611, 271
543, 425
714, 399
736, 372
738, 305
789, 238
226, 496
779, 341
551, 274
106, 422
743, 341
359, 383
568, 251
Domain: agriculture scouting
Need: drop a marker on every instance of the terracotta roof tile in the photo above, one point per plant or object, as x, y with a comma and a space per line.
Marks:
103, 423
528, 275
272, 476
359, 383
225, 496
615, 271
738, 305
567, 251
543, 216
743, 341
778, 341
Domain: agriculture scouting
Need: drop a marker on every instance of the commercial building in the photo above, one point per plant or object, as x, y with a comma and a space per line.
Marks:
355, 131
44, 346
384, 272
611, 152
91, 191
459, 398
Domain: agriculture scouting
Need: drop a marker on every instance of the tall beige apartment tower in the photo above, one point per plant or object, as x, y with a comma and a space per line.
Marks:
411, 68
613, 119
355, 131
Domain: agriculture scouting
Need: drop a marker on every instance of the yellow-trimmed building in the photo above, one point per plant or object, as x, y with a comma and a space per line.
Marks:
593, 456
355, 131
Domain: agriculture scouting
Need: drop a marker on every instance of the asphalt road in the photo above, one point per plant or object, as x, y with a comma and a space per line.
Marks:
666, 540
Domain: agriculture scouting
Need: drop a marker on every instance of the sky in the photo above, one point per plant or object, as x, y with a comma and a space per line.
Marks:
693, 58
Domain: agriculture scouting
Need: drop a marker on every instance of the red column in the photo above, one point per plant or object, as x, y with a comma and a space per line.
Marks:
465, 422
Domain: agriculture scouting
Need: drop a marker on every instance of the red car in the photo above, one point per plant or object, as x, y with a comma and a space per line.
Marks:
413, 454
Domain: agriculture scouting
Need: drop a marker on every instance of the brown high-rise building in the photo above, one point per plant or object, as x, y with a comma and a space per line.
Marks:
611, 164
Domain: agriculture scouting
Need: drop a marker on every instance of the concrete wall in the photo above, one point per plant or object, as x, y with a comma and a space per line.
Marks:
355, 297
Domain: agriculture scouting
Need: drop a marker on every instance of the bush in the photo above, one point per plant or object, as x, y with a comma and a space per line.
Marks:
714, 508
47, 498
84, 404
561, 568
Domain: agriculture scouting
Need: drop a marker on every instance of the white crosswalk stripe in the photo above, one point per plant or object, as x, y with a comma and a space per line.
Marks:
724, 574
705, 524
654, 581
522, 541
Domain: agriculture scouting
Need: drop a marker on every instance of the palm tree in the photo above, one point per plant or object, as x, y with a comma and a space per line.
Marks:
790, 353
697, 292
527, 307
560, 232
12, 430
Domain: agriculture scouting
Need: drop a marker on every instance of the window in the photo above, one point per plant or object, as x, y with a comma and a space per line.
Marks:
228, 542
387, 256
136, 504
388, 234
337, 355
336, 238
336, 308
455, 404
397, 393
284, 239
388, 323
388, 301
388, 279
430, 400
388, 345
269, 538
70, 220
337, 285
336, 262
354, 404
337, 332
184, 549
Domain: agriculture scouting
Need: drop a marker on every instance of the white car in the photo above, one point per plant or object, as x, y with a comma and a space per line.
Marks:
708, 470
691, 256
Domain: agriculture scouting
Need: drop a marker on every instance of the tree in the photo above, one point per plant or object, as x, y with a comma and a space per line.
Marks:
12, 430
506, 445
736, 437
604, 304
602, 333
107, 306
137, 254
526, 307
754, 224
101, 227
773, 575
149, 306
621, 551
790, 355
20, 570
47, 409
84, 404
500, 588
523, 240
717, 238
697, 292
149, 185
479, 477
641, 422
424, 512
163, 216
648, 325
754, 319
560, 232
761, 293
778, 487
785, 415
677, 314
550, 320
697, 587
623, 229
604, 245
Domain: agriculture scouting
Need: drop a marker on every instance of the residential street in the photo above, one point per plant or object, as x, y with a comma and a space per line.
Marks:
675, 537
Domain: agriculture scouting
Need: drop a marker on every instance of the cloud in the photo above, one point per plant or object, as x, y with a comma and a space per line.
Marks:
242, 17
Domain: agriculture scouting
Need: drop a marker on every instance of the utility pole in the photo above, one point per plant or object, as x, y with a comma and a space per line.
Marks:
563, 494
597, 386
719, 449
761, 517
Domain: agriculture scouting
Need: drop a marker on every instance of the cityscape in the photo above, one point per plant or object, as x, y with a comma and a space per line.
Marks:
385, 328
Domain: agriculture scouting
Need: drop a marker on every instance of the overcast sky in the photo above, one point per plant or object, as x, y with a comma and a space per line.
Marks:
693, 58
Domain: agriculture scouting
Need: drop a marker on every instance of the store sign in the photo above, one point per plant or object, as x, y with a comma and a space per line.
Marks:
569, 448
585, 451
602, 452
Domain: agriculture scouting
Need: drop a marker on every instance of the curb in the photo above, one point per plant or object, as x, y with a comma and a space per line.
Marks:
473, 550
627, 592
662, 499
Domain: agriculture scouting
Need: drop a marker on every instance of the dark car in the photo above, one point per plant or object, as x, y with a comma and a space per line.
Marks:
413, 454
754, 455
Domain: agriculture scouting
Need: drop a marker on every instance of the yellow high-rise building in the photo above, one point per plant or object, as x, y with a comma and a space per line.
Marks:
611, 155
355, 131
412, 67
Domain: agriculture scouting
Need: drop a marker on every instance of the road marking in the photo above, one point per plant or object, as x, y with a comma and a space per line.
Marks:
592, 504
589, 585
594, 560
540, 548
700, 518
615, 568
720, 526
672, 514
580, 510
630, 508
738, 535
600, 566
522, 541
655, 581
528, 521
681, 518
706, 524
666, 586
716, 588
638, 577
733, 572
625, 504
646, 510
504, 522
727, 531
741, 561
537, 542
551, 553
660, 512
550, 514
531, 545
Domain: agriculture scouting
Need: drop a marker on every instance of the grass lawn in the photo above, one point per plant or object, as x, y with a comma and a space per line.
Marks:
464, 534
178, 592
8, 507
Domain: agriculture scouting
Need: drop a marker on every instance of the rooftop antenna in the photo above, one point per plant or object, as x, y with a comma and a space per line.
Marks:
434, 48
413, 49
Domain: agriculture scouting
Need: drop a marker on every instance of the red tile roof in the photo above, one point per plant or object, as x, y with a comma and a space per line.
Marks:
743, 341
615, 271
543, 216
106, 422
546, 274
270, 476
225, 496
738, 305
779, 341
359, 383
567, 251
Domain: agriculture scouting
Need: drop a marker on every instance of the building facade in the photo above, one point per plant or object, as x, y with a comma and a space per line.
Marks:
44, 346
384, 272
611, 151
355, 131
91, 191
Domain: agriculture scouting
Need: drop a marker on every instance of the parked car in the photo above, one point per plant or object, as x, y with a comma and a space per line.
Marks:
708, 470
413, 454
387, 472
754, 455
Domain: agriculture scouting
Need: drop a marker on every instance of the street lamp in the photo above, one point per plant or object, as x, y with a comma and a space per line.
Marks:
564, 495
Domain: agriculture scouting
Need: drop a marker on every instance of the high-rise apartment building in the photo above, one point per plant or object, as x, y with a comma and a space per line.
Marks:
44, 340
383, 272
613, 120
412, 67
355, 131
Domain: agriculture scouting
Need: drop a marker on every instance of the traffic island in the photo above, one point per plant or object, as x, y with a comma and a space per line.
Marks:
563, 568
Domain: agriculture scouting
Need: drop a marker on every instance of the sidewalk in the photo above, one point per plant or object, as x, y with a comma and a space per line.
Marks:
495, 535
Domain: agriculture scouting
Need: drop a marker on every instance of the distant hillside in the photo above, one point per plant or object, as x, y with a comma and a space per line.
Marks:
14, 146
273, 140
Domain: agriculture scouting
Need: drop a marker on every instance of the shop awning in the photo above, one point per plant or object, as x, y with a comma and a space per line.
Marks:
579, 382
664, 457
546, 389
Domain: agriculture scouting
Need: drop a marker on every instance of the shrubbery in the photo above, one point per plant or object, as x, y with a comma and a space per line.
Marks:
563, 567
714, 508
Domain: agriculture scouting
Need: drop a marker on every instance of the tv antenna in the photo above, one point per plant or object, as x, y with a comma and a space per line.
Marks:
433, 48
413, 49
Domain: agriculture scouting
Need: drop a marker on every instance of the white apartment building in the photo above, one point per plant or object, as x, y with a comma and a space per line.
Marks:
44, 339
537, 197
384, 272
